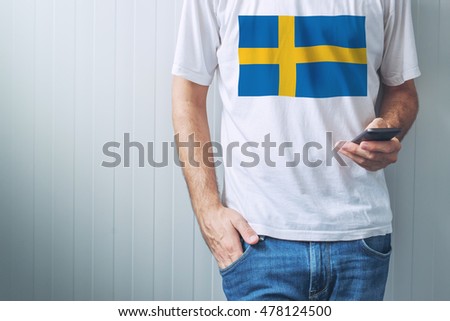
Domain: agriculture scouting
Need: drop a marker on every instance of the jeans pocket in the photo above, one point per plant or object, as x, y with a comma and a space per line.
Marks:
247, 249
378, 246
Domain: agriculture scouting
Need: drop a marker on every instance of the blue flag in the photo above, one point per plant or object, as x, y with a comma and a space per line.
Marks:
310, 57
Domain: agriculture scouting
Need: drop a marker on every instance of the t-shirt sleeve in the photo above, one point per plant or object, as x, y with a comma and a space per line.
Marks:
400, 56
198, 41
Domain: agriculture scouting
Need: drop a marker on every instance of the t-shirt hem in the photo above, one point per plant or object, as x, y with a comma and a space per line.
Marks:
321, 236
398, 80
190, 75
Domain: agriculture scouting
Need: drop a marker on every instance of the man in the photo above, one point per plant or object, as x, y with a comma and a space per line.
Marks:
301, 221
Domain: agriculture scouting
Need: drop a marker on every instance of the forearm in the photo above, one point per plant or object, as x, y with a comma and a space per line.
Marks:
400, 106
221, 227
190, 118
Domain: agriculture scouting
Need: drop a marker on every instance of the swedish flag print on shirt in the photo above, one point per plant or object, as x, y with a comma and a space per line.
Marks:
310, 57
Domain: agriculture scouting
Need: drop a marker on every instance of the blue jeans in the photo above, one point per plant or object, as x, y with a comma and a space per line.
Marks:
279, 270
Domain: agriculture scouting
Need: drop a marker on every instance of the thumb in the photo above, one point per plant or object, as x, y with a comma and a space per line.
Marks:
245, 230
340, 144
378, 123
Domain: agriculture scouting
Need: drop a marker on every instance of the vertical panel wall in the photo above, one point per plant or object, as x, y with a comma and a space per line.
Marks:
420, 182
432, 179
6, 132
74, 76
78, 74
22, 138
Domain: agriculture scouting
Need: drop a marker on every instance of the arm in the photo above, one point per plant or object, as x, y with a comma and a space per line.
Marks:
221, 227
399, 109
400, 106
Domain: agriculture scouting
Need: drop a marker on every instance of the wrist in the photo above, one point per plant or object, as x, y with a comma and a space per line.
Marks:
208, 209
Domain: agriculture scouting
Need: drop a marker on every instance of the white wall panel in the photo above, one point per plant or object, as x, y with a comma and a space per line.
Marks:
442, 208
23, 89
43, 147
76, 74
123, 214
104, 114
83, 150
163, 202
6, 133
144, 121
63, 156
426, 173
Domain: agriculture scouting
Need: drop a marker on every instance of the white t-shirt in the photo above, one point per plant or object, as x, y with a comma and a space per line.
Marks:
307, 74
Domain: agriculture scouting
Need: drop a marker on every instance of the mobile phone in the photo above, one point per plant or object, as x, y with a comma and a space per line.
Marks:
377, 134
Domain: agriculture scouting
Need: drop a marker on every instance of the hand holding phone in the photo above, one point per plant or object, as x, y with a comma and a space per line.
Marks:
376, 134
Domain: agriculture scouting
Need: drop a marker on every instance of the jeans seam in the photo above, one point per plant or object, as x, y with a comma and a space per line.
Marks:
314, 296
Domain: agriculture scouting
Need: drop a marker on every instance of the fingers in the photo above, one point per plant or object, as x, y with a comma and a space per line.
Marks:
229, 251
232, 248
222, 231
244, 229
224, 242
372, 155
370, 165
392, 146
373, 150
